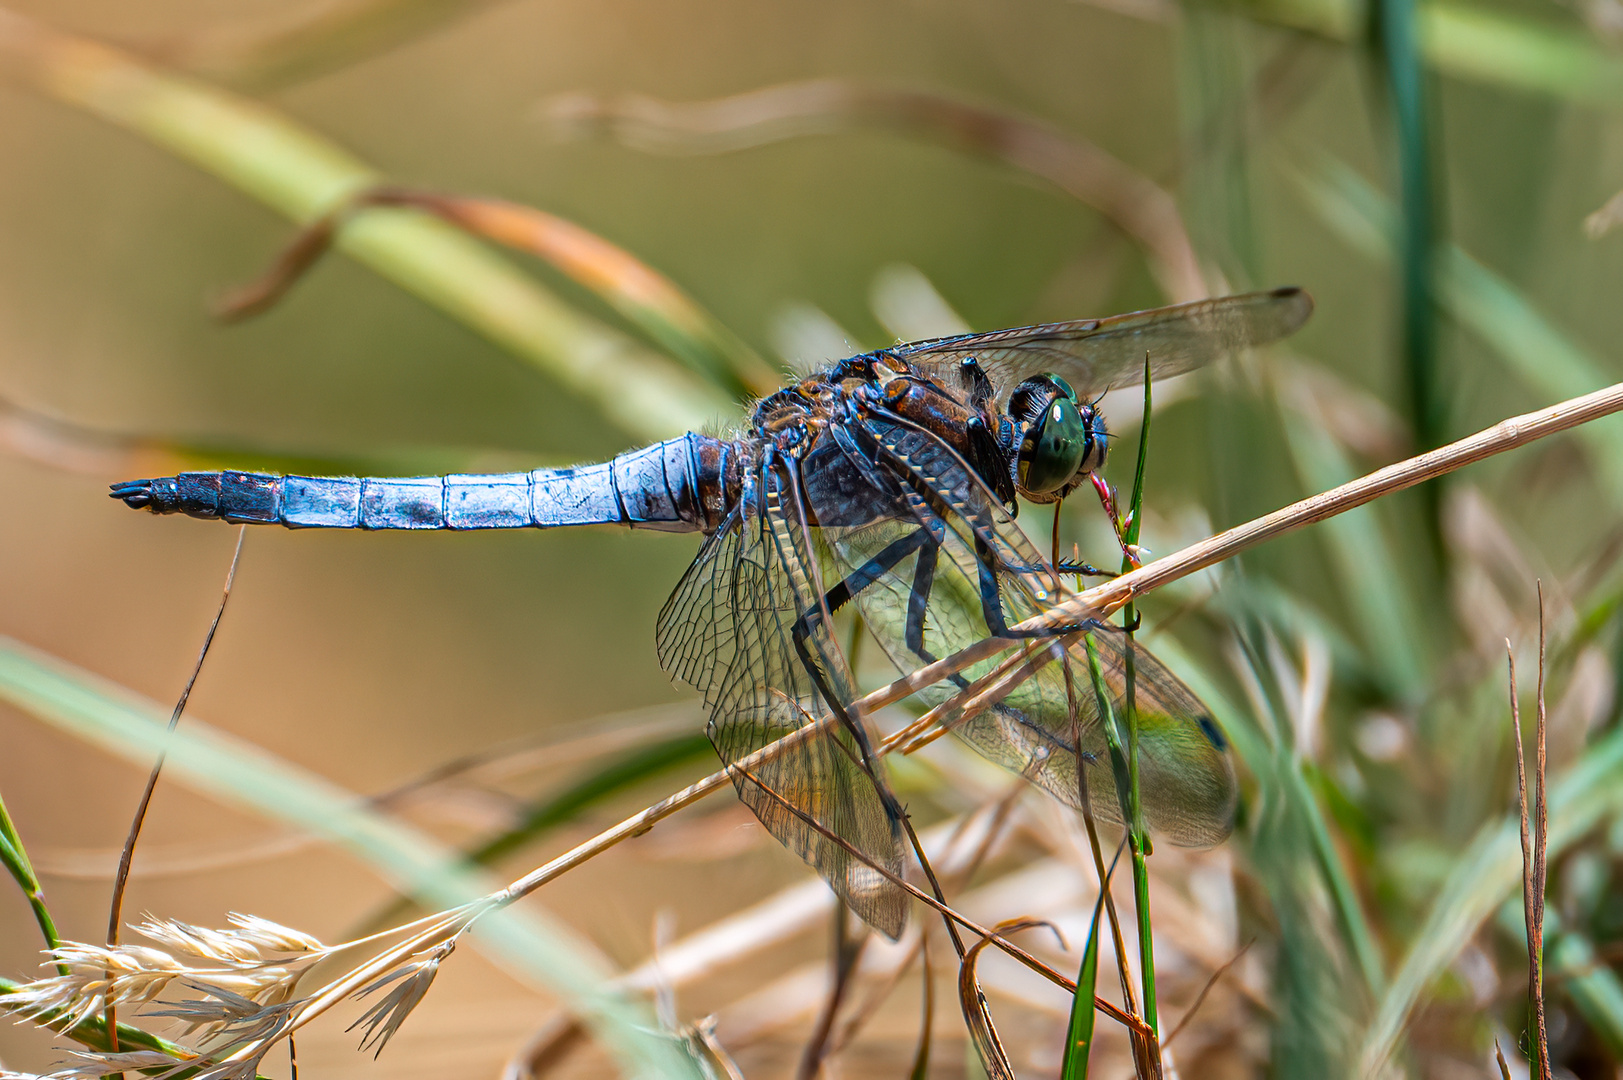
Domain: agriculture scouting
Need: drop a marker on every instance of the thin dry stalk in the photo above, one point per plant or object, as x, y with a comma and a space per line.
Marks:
921, 1054
1533, 849
1499, 1055
846, 954
115, 906
704, 1034
957, 876
545, 1048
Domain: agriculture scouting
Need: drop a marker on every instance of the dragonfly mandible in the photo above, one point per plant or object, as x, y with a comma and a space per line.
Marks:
891, 481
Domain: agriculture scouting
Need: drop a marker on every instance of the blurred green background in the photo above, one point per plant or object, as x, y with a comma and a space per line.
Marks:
371, 658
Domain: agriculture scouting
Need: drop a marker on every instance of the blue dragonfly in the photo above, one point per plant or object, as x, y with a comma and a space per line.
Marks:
889, 481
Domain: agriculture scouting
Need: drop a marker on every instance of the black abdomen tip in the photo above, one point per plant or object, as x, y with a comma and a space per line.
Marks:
136, 494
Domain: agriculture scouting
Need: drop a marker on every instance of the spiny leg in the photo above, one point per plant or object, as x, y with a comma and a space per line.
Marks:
1082, 569
992, 602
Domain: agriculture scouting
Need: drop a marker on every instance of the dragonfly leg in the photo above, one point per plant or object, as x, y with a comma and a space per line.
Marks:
992, 603
919, 599
1072, 566
864, 576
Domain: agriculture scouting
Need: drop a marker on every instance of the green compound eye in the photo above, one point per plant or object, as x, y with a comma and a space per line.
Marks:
1054, 446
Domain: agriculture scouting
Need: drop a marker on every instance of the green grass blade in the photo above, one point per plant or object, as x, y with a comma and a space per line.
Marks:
14, 856
302, 175
1396, 34
1139, 836
1079, 1031
245, 776
1475, 42
1488, 871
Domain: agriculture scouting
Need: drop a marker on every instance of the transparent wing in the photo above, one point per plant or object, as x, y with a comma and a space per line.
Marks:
728, 631
1095, 355
938, 516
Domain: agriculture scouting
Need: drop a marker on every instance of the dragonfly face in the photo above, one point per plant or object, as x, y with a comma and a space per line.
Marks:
1063, 439
889, 483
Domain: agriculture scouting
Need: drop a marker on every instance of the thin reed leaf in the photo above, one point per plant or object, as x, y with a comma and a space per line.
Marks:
298, 173
238, 774
983, 1034
1200, 998
286, 46
14, 856
1146, 1053
121, 878
1143, 210
1079, 1029
76, 448
1139, 837
1534, 828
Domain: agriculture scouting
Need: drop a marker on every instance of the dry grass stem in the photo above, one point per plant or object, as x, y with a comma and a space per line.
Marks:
115, 906
1534, 840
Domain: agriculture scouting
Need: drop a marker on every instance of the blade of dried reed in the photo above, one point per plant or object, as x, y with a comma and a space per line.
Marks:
983, 1033
1535, 846
121, 878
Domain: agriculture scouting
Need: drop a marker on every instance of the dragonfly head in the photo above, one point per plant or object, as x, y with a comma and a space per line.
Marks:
1062, 440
